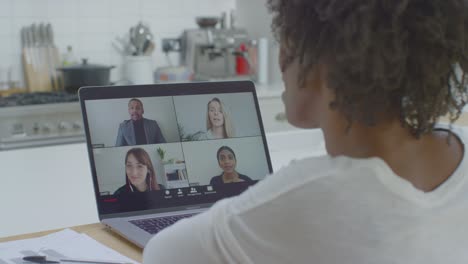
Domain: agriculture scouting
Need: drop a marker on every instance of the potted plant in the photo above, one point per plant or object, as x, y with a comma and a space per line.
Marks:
161, 153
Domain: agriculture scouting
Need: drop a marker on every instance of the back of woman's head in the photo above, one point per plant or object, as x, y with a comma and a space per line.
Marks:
403, 57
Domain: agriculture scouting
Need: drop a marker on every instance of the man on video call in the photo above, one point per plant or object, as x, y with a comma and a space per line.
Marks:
138, 130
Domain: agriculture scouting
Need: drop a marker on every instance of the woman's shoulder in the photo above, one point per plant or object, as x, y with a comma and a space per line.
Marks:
314, 169
199, 135
245, 177
309, 177
216, 180
120, 190
203, 135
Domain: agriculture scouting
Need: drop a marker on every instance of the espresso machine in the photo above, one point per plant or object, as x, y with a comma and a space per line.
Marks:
215, 53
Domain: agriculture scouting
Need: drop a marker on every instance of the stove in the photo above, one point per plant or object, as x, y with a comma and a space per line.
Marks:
40, 119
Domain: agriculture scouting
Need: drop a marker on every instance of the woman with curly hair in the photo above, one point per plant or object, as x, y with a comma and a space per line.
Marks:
375, 76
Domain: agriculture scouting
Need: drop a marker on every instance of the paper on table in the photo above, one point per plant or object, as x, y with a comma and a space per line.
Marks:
63, 244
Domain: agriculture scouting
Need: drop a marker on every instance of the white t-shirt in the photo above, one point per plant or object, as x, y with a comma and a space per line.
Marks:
204, 135
327, 210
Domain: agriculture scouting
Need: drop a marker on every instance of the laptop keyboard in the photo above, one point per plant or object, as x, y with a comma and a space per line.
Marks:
154, 225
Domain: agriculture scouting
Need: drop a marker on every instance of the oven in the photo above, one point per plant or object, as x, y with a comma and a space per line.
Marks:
40, 119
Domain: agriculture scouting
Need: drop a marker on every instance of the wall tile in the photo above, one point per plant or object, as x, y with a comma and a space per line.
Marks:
94, 8
62, 41
212, 8
62, 8
151, 7
29, 8
99, 42
173, 7
6, 46
91, 26
20, 22
125, 8
6, 8
5, 51
121, 26
5, 27
14, 62
63, 25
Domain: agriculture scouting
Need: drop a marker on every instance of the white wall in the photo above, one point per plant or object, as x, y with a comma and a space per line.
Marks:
91, 26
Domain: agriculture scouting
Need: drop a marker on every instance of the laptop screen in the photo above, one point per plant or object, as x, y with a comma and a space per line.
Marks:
164, 146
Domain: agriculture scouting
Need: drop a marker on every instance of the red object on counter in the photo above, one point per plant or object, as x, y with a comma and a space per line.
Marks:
242, 65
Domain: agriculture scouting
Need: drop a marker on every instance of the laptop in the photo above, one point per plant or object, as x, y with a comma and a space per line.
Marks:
160, 153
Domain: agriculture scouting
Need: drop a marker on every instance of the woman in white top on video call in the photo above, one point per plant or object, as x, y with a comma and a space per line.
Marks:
375, 76
218, 121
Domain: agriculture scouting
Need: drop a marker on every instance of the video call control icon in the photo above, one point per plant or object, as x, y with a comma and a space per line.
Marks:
193, 190
168, 192
179, 192
209, 188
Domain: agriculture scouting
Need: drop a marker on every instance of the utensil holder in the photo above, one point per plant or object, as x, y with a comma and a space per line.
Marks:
139, 69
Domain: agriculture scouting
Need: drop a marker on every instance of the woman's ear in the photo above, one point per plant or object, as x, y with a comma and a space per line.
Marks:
311, 97
284, 59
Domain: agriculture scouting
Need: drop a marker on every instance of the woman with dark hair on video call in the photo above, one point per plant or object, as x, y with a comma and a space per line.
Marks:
377, 77
227, 162
140, 175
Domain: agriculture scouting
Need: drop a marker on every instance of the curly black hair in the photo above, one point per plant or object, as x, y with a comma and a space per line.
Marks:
406, 58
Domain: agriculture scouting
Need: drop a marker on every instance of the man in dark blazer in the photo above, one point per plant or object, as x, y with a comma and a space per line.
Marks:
138, 130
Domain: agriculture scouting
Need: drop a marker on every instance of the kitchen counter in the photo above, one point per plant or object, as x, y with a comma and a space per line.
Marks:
45, 124
269, 90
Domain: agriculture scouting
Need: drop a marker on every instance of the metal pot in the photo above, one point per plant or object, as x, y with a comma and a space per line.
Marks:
85, 74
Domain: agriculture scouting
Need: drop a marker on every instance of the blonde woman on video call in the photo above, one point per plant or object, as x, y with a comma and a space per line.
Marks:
218, 121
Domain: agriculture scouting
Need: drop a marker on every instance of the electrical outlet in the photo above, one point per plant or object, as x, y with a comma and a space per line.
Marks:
171, 45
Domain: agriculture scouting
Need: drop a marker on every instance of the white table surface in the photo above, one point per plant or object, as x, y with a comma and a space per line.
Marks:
51, 187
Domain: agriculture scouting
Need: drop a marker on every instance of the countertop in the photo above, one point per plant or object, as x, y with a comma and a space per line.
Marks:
269, 90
